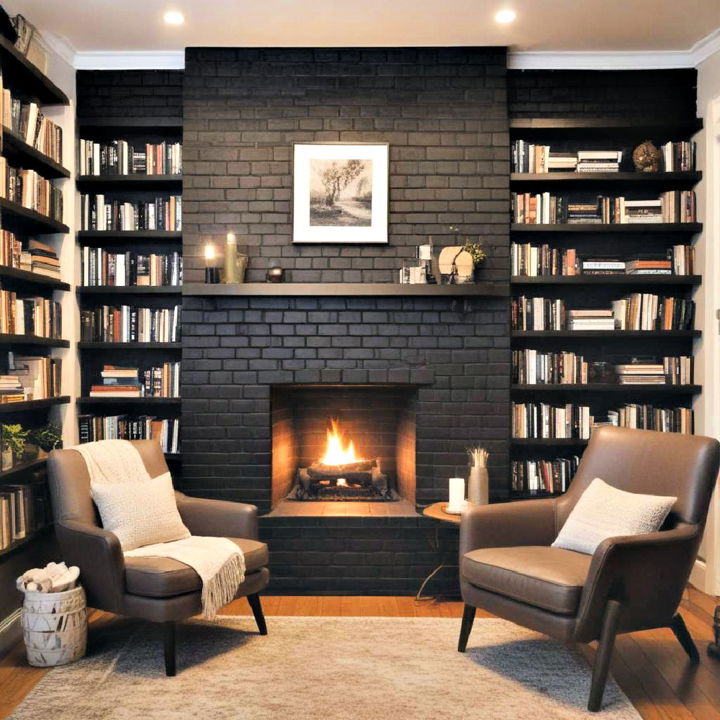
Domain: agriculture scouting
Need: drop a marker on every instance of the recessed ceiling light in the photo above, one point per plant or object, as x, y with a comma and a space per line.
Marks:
174, 17
505, 16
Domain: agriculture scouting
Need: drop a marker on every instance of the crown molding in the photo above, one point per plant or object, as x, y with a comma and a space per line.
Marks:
706, 47
131, 60
62, 47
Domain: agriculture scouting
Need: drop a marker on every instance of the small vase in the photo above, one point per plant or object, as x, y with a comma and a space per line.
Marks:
6, 461
478, 486
477, 272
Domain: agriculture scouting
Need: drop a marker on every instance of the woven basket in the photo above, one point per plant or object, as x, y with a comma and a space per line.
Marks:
54, 627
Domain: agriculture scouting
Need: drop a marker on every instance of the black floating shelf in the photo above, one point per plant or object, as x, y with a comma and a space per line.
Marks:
22, 220
115, 237
607, 334
144, 401
645, 127
24, 155
129, 290
548, 442
32, 278
614, 178
127, 182
348, 289
607, 280
26, 405
131, 123
8, 339
129, 346
644, 228
23, 467
646, 389
20, 73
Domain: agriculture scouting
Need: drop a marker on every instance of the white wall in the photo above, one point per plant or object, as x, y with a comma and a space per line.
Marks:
706, 575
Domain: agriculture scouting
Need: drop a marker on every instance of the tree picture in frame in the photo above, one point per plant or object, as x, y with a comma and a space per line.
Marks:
340, 193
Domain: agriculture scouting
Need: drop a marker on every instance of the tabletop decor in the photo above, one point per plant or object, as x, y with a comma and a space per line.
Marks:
478, 482
340, 193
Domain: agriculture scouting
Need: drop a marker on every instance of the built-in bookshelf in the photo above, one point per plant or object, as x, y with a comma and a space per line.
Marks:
633, 242
130, 183
31, 288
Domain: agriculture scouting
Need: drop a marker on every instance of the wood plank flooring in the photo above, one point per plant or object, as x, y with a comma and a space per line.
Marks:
650, 666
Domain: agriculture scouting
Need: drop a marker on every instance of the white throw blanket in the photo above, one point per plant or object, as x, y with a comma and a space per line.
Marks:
217, 560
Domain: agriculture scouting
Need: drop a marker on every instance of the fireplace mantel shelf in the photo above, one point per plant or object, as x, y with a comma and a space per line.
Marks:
348, 289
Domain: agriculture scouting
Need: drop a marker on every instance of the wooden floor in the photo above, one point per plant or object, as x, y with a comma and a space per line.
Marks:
650, 666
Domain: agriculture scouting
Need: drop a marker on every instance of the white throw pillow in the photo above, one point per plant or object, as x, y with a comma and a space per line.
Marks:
604, 511
140, 513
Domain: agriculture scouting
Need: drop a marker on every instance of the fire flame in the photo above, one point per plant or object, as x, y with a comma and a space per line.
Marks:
336, 452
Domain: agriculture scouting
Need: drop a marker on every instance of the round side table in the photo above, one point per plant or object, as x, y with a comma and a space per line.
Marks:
436, 512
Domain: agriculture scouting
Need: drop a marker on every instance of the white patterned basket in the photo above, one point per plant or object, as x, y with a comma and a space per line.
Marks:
54, 627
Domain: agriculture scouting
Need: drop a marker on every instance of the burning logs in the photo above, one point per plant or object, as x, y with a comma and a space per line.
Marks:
361, 480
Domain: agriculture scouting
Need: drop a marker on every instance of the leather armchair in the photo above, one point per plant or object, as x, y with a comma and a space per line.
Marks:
508, 568
157, 589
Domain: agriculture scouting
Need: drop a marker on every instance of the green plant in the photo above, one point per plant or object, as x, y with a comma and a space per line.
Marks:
475, 250
48, 438
14, 438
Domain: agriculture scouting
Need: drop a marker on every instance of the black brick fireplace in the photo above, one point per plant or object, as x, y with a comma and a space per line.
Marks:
443, 112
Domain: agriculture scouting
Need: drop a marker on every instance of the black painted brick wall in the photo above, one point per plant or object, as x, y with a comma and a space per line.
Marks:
442, 110
235, 348
670, 94
117, 94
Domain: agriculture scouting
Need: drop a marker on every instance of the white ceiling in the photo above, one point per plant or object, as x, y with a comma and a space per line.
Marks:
541, 25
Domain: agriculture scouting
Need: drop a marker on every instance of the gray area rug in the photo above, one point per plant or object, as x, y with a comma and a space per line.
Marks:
365, 668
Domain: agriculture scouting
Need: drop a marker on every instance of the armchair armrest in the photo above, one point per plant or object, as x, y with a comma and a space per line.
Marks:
529, 522
98, 554
646, 573
218, 518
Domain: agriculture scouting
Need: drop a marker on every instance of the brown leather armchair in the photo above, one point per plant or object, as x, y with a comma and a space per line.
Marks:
508, 568
157, 589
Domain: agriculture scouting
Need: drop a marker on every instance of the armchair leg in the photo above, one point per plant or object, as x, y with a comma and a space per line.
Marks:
603, 655
466, 627
169, 644
254, 601
684, 638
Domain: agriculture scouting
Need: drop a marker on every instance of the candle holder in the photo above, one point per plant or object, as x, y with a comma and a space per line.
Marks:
212, 272
235, 263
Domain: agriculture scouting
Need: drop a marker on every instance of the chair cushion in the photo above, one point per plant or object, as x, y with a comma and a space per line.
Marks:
165, 577
547, 577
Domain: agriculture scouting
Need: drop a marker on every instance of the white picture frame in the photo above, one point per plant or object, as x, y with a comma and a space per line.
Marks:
340, 193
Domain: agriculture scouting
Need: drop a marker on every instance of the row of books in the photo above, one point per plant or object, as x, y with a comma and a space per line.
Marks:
532, 158
100, 267
123, 427
30, 190
536, 477
674, 206
30, 378
162, 381
639, 311
37, 316
26, 120
24, 510
528, 260
38, 257
119, 157
130, 324
534, 367
545, 421
161, 213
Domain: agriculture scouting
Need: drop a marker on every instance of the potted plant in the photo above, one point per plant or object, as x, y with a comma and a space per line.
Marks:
13, 444
47, 438
478, 255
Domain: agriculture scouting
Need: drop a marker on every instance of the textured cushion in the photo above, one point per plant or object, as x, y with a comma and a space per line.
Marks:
546, 577
604, 511
140, 513
165, 577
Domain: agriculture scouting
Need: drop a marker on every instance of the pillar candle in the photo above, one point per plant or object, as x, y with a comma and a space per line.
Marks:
231, 259
457, 493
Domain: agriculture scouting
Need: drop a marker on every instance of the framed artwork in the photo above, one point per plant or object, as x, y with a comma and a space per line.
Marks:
340, 193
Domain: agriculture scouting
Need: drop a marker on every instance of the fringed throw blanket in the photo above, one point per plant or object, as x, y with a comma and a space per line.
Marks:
218, 561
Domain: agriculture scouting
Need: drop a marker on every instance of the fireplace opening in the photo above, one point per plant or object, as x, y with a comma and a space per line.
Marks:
343, 443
